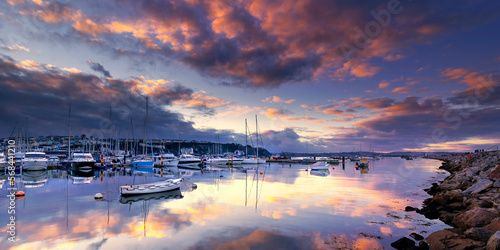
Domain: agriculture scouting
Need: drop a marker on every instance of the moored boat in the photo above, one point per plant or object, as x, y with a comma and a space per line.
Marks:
165, 160
321, 165
82, 161
3, 162
34, 161
217, 161
156, 187
174, 194
143, 161
189, 161
363, 163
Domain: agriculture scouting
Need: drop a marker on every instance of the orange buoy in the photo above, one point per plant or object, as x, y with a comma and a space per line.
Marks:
20, 194
261, 172
333, 168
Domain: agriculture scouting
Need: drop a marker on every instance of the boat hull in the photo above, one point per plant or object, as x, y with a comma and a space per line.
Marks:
83, 165
172, 163
34, 165
142, 163
157, 187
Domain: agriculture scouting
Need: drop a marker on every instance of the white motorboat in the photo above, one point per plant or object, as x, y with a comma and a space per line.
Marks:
34, 161
189, 161
82, 161
3, 162
166, 160
156, 187
320, 165
217, 161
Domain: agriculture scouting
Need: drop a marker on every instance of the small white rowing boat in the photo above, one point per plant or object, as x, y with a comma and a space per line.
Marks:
156, 187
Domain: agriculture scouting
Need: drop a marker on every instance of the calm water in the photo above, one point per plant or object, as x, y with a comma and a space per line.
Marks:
284, 207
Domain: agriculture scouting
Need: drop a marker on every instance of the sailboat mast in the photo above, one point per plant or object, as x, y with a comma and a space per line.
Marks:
144, 147
69, 132
27, 141
257, 133
246, 139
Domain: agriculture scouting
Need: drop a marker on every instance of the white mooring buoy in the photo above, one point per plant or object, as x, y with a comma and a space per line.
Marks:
98, 196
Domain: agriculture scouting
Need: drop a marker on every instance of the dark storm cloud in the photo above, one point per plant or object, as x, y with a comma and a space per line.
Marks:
98, 68
43, 93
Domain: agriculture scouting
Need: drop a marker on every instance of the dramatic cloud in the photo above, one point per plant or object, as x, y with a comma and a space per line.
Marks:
260, 43
91, 99
99, 68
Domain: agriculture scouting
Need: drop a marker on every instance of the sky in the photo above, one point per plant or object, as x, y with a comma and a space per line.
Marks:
321, 76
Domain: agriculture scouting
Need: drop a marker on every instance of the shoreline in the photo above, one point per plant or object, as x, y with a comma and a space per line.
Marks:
467, 200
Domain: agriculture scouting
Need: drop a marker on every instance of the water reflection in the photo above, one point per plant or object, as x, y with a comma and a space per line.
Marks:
34, 179
282, 206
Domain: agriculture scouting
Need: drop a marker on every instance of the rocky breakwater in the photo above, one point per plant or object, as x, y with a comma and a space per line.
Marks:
468, 200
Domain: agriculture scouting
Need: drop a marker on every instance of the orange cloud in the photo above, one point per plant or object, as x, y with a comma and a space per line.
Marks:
401, 90
15, 48
364, 70
383, 85
277, 99
201, 99
454, 74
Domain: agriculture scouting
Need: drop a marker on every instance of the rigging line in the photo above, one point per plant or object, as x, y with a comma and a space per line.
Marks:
251, 187
261, 185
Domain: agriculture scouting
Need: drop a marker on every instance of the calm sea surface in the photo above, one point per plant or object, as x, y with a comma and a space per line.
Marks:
273, 207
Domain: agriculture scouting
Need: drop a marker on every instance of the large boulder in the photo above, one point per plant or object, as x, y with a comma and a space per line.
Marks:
494, 225
438, 239
480, 186
476, 217
478, 233
494, 242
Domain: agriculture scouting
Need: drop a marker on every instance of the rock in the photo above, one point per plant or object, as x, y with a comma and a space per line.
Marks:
447, 217
423, 245
476, 217
432, 190
478, 233
409, 209
480, 186
494, 225
454, 196
417, 236
436, 240
455, 206
448, 187
474, 202
403, 243
459, 243
494, 242
495, 174
497, 183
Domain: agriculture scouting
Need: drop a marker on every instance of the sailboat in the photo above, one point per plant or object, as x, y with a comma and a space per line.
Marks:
256, 159
144, 160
